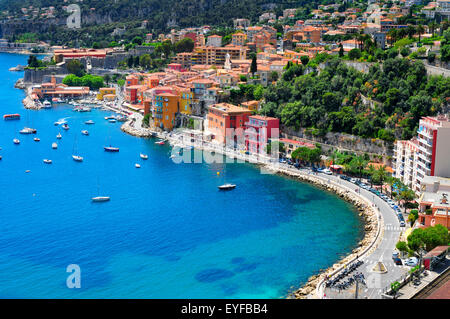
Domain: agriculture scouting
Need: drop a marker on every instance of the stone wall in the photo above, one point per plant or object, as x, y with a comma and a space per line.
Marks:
36, 76
344, 142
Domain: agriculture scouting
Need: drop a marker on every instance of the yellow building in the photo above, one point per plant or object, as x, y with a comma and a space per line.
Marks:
186, 101
251, 105
165, 106
238, 38
106, 91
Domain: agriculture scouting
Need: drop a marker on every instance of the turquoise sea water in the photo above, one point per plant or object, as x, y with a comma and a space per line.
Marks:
167, 231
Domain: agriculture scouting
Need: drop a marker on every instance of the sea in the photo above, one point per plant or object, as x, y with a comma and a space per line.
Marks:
167, 232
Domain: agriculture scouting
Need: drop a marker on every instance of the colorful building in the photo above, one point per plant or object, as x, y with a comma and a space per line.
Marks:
105, 91
51, 90
227, 122
434, 202
258, 130
426, 155
165, 106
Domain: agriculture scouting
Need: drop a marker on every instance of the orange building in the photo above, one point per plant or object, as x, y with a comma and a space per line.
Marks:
223, 116
165, 107
51, 89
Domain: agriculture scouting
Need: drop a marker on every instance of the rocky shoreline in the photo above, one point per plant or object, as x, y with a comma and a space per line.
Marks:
365, 211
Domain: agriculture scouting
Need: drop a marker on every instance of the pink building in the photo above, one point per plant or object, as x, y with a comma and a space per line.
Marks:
259, 129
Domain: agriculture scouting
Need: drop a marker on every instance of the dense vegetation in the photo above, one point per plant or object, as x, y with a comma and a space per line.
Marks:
98, 24
92, 81
332, 100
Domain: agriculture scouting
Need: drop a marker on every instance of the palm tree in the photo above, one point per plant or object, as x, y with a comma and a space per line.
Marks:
360, 164
420, 30
433, 26
406, 195
381, 175
372, 172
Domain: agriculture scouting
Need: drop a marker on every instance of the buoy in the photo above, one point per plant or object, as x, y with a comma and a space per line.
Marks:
218, 173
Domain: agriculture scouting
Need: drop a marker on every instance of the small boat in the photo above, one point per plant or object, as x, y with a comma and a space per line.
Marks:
137, 165
54, 146
89, 122
109, 117
60, 121
111, 149
100, 199
1, 157
47, 105
84, 132
143, 156
16, 141
121, 118
47, 161
36, 139
27, 171
59, 136
227, 187
8, 117
65, 126
112, 121
77, 158
161, 142
28, 130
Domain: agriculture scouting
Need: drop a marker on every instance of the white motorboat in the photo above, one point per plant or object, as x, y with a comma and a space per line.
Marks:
112, 121
47, 161
89, 122
65, 126
100, 199
137, 165
111, 149
77, 158
16, 141
47, 105
36, 139
227, 187
143, 156
54, 146
161, 142
84, 132
59, 136
28, 130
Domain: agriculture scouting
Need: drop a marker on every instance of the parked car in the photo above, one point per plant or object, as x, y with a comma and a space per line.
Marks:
398, 261
352, 180
327, 171
412, 261
402, 223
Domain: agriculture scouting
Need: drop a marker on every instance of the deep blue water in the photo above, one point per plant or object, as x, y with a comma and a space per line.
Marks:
167, 231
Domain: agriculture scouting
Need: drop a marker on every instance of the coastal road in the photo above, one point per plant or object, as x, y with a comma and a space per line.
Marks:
375, 282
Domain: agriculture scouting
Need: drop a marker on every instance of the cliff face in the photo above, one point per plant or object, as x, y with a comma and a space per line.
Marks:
8, 28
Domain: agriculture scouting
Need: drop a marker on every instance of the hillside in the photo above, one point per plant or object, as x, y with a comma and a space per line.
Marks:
161, 15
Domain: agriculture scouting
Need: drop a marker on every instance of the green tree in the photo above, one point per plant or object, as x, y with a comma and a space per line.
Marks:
184, 45
74, 66
253, 66
354, 54
402, 246
145, 61
406, 195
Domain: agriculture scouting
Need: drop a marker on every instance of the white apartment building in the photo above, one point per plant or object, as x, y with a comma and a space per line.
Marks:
443, 7
426, 155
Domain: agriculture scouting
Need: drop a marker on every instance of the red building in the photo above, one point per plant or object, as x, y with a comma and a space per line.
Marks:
227, 121
259, 129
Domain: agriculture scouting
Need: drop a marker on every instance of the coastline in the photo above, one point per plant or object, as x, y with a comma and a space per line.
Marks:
368, 213
371, 223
